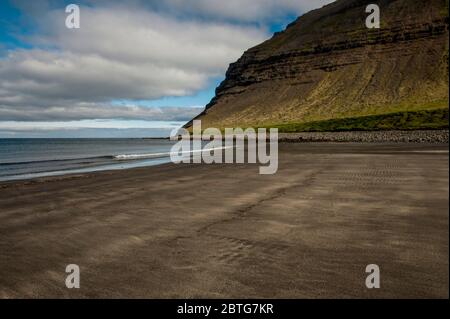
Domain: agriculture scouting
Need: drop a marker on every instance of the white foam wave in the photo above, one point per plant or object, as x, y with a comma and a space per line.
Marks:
124, 157
140, 156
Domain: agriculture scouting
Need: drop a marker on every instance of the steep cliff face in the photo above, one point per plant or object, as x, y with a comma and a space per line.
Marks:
328, 65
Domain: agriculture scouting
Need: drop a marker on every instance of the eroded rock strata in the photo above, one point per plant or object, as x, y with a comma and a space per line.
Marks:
327, 65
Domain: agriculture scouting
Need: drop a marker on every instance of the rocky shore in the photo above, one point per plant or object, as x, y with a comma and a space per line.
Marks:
425, 136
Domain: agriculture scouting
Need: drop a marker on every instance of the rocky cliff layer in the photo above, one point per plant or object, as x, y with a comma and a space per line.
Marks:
328, 65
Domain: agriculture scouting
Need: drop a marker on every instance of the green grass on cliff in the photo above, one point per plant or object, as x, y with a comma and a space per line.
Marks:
416, 120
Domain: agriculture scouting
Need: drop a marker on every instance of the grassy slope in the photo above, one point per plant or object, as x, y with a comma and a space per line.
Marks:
425, 119
336, 102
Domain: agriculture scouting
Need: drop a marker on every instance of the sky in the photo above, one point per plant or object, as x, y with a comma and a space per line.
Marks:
136, 68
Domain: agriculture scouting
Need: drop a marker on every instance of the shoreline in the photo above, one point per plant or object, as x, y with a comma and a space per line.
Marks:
293, 140
417, 136
438, 136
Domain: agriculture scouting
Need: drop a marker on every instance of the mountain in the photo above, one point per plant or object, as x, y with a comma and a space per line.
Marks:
327, 66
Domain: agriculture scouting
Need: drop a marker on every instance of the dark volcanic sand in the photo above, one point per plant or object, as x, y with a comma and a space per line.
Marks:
217, 231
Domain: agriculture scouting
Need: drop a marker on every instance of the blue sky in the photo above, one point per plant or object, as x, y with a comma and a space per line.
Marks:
132, 70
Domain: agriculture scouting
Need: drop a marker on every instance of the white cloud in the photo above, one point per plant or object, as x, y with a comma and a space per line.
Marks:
242, 10
18, 126
143, 50
122, 55
117, 54
81, 111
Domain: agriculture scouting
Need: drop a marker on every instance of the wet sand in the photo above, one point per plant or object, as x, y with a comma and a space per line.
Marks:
224, 231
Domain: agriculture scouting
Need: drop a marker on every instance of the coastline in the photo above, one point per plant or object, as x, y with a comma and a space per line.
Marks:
437, 136
224, 231
413, 136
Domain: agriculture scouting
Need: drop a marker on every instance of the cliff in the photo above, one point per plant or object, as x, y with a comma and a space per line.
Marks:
328, 65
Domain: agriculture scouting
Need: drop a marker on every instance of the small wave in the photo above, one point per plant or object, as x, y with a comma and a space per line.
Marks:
124, 157
140, 156
57, 160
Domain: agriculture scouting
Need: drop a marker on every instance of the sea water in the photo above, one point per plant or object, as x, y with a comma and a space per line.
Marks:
30, 158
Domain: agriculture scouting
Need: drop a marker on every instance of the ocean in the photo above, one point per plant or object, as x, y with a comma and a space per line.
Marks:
31, 158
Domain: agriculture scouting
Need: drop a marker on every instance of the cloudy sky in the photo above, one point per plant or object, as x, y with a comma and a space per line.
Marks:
134, 68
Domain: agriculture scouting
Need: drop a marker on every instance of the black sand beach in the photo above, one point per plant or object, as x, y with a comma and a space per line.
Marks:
224, 231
